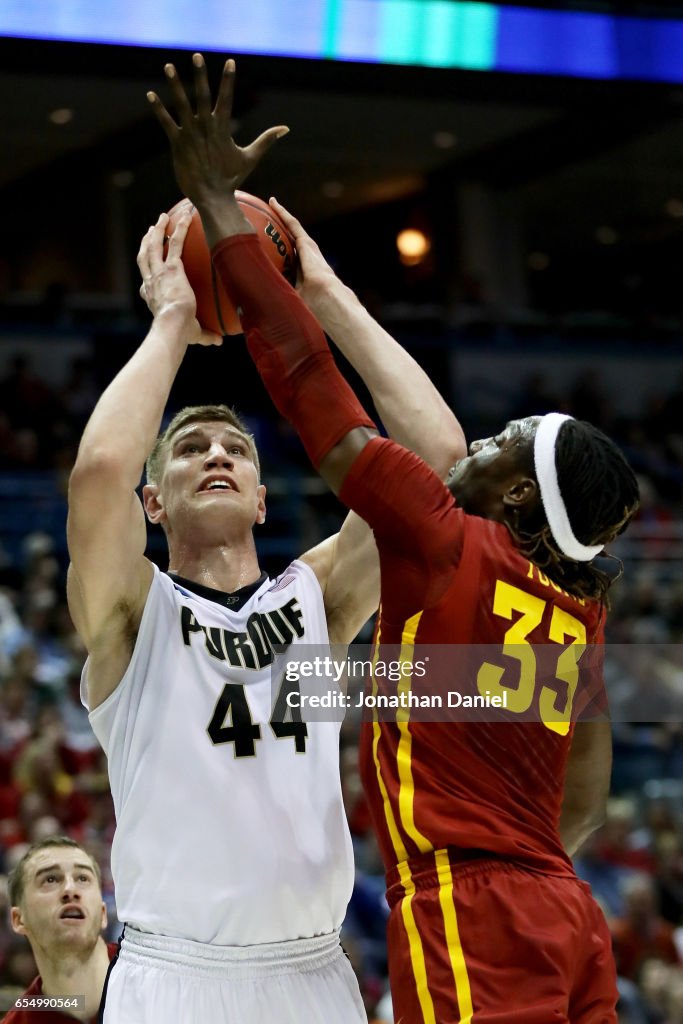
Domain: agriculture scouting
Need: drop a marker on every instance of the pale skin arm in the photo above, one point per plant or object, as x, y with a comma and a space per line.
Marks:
109, 577
587, 783
412, 410
410, 407
209, 166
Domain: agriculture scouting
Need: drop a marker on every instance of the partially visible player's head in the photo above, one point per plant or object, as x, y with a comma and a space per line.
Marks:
204, 462
597, 489
56, 898
196, 414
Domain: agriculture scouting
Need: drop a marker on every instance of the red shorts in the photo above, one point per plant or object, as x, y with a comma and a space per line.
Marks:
488, 942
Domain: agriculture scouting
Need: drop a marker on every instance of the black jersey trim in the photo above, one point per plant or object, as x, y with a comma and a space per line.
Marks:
100, 1013
234, 601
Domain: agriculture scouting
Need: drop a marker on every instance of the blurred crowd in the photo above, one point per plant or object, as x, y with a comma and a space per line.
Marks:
40, 425
53, 774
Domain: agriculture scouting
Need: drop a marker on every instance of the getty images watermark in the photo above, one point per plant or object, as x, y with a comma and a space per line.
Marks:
553, 684
326, 667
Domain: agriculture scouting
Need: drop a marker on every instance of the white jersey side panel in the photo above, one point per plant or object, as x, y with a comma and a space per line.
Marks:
225, 832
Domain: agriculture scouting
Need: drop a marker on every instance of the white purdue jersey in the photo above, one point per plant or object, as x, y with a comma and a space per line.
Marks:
230, 830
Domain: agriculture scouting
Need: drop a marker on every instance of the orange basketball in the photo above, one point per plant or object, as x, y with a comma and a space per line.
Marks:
215, 311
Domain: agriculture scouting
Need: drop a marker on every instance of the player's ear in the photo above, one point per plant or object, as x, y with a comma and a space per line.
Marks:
261, 504
152, 502
521, 493
104, 916
17, 920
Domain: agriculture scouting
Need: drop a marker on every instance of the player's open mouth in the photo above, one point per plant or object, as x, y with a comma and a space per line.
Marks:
216, 484
72, 913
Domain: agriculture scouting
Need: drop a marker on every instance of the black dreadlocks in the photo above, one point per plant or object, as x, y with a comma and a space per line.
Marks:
600, 492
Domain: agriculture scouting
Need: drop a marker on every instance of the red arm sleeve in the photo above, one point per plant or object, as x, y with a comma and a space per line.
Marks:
288, 347
418, 529
419, 532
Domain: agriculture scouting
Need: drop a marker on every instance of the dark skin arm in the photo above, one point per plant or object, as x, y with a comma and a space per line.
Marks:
587, 783
208, 165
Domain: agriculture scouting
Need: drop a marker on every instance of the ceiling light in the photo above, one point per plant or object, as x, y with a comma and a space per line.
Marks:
444, 140
606, 235
122, 179
413, 245
332, 189
674, 208
61, 116
539, 260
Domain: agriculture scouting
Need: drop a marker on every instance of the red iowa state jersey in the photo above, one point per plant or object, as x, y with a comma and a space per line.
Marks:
28, 1008
449, 578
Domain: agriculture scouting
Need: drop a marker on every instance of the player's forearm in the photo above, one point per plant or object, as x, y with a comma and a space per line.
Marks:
292, 356
577, 823
125, 422
412, 410
587, 782
222, 217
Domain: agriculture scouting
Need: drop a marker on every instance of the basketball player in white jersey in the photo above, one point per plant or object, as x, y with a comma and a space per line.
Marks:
232, 859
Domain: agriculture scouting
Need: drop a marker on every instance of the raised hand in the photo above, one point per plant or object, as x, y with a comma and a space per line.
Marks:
314, 272
165, 287
206, 161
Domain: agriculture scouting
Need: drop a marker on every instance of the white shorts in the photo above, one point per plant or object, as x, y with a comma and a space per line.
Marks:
159, 980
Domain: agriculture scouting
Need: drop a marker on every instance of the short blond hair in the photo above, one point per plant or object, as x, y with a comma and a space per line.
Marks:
196, 414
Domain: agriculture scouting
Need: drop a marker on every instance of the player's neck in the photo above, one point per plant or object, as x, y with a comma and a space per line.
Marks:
226, 567
76, 975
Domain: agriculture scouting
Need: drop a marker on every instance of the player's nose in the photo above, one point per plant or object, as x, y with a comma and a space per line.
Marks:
478, 445
218, 456
69, 889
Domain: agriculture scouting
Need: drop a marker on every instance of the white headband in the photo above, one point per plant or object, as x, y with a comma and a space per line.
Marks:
546, 474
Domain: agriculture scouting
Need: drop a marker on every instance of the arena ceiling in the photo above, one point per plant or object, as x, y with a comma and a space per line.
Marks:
581, 155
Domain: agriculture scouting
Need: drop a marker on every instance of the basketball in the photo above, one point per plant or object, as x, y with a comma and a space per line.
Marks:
215, 311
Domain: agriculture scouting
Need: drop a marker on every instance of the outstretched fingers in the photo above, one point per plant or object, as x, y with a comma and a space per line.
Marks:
222, 112
201, 87
260, 146
162, 115
180, 100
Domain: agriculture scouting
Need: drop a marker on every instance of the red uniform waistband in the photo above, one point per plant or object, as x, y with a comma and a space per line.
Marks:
422, 872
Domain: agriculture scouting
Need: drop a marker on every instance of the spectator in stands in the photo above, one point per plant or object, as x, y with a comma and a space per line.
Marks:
669, 876
80, 392
538, 394
630, 1007
40, 769
616, 837
641, 933
6, 934
605, 879
654, 985
26, 397
57, 904
589, 400
674, 999
675, 613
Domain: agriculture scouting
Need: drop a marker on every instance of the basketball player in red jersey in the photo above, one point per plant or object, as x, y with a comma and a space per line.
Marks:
56, 896
476, 821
